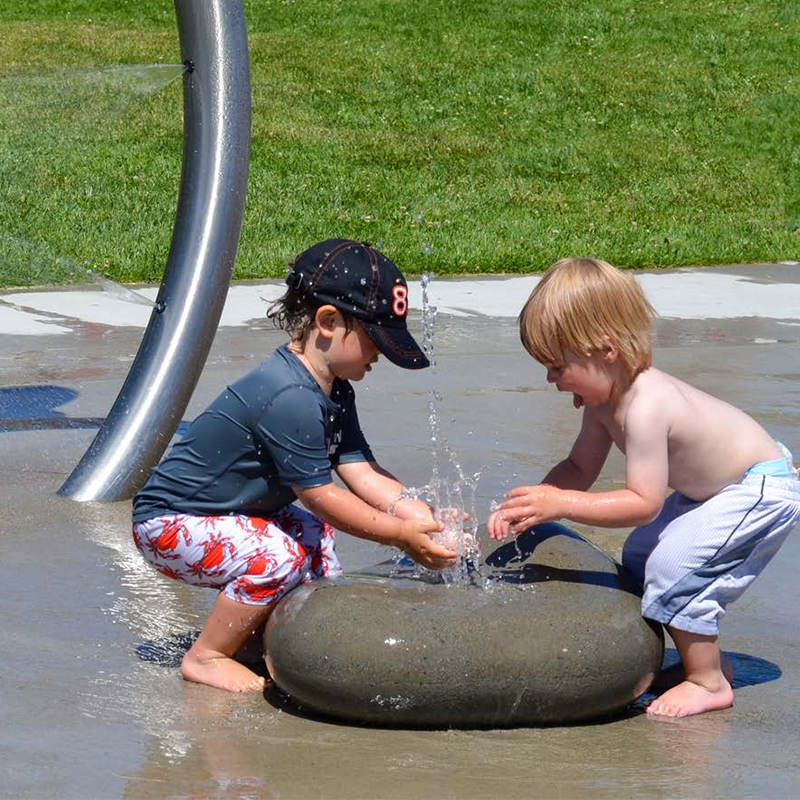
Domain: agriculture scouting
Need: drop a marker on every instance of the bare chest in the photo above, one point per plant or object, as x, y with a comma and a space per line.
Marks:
614, 423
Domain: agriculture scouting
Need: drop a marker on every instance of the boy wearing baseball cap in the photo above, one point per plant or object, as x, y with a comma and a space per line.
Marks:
219, 510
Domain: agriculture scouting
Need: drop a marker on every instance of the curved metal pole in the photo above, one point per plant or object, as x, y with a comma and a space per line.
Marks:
173, 351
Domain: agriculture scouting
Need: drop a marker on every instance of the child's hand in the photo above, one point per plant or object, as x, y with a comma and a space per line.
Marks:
497, 525
415, 541
526, 506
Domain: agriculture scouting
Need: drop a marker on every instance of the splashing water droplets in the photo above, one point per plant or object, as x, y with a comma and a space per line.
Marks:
451, 497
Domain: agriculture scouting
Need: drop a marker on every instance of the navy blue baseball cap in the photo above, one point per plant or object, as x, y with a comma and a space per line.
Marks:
357, 279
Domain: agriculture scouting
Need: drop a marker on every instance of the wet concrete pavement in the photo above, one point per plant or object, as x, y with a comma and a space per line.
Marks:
85, 715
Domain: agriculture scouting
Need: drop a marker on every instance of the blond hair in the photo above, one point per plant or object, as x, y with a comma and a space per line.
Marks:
578, 304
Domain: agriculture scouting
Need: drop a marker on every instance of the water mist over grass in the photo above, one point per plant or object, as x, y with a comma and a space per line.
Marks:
40, 267
69, 181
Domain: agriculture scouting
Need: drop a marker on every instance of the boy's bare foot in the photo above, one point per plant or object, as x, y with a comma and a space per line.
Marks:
675, 674
211, 658
689, 698
220, 672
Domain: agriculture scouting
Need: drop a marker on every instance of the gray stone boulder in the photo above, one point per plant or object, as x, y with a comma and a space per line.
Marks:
551, 632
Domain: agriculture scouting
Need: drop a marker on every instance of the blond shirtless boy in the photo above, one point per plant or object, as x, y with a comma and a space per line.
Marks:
735, 494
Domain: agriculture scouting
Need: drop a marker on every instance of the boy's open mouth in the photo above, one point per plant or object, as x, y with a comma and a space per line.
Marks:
577, 400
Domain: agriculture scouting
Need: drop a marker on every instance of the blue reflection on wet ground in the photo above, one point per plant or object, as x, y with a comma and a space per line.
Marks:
34, 408
30, 408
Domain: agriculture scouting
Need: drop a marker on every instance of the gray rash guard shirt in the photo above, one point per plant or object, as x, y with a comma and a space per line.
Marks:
272, 429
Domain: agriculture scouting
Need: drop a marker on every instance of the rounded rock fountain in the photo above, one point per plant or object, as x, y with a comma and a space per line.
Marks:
553, 633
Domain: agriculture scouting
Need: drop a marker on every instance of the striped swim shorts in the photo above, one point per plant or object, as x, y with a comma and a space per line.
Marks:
252, 560
696, 557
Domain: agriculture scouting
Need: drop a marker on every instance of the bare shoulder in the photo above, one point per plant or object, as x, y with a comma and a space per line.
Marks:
667, 391
655, 380
654, 392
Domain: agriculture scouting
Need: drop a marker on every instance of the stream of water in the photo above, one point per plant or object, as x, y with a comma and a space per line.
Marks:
450, 491
43, 266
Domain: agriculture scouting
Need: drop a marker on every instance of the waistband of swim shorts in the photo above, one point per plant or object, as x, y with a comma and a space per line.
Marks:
775, 487
777, 468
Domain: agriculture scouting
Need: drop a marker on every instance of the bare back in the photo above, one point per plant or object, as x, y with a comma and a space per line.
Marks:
707, 443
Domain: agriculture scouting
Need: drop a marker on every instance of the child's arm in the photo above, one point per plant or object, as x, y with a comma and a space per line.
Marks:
347, 512
380, 489
578, 471
590, 451
647, 468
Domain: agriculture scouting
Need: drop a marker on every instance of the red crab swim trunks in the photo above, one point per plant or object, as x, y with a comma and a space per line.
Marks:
252, 560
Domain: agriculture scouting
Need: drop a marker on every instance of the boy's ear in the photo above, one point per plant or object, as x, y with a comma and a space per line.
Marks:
610, 350
325, 319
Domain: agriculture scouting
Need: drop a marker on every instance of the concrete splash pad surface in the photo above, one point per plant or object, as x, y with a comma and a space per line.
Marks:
85, 717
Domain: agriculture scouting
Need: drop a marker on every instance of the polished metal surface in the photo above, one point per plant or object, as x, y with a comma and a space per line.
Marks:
205, 238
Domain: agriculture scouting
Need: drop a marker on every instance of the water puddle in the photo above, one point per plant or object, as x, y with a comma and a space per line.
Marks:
35, 408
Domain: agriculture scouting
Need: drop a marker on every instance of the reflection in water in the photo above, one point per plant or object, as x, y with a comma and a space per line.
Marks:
215, 760
151, 607
196, 732
26, 402
148, 604
27, 408
34, 408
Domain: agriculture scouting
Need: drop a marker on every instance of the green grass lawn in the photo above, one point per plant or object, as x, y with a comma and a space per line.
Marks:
465, 136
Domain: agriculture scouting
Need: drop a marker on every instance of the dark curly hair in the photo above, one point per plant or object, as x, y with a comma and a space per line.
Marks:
294, 313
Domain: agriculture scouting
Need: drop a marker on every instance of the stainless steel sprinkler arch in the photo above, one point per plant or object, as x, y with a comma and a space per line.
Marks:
216, 152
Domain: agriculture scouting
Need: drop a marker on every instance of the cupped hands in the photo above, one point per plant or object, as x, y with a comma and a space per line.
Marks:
523, 507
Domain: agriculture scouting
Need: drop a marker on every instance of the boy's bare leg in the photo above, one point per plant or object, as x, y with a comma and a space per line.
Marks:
252, 651
705, 687
210, 659
675, 674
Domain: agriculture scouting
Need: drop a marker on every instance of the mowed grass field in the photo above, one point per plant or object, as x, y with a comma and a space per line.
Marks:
464, 136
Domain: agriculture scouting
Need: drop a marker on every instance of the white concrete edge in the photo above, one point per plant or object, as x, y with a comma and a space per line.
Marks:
15, 322
677, 294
